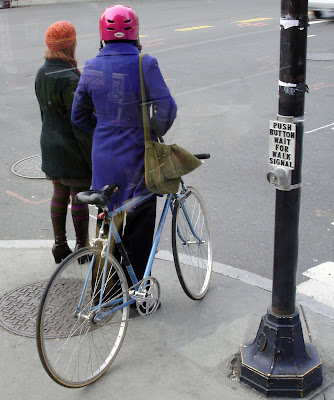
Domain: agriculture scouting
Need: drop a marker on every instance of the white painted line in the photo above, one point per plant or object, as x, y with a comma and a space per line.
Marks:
322, 127
318, 291
222, 38
315, 305
311, 36
314, 294
305, 293
323, 273
320, 287
317, 22
29, 244
227, 270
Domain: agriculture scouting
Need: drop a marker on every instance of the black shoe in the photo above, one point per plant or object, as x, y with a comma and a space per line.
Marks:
83, 259
60, 251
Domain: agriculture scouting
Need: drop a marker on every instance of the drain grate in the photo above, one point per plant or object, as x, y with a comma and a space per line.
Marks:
19, 308
29, 167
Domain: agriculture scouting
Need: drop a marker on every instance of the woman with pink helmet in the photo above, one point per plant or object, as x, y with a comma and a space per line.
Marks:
110, 84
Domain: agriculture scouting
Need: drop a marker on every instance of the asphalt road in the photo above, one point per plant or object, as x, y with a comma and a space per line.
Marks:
220, 60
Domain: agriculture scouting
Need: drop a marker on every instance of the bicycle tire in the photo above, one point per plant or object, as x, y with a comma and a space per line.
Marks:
192, 257
79, 350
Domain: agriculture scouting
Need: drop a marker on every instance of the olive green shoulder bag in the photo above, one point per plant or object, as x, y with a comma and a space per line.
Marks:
164, 164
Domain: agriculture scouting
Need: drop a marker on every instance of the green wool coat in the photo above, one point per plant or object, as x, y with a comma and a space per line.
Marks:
66, 150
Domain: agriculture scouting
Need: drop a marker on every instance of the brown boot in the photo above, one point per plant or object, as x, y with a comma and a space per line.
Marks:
60, 249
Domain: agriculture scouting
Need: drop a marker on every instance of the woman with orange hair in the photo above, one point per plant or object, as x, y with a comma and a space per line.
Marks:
66, 150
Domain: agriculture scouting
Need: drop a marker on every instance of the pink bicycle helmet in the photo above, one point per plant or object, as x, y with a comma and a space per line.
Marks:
119, 22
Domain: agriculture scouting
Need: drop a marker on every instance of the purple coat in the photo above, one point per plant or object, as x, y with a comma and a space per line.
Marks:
110, 83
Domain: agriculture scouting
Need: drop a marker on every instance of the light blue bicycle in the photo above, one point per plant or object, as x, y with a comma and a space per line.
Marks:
84, 311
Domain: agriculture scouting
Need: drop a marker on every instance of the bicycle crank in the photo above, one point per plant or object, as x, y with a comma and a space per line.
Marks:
147, 296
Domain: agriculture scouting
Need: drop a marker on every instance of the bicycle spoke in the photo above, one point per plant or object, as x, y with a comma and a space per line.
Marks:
84, 349
192, 248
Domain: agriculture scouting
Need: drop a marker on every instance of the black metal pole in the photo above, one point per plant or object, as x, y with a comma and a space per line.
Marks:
278, 362
285, 251
293, 47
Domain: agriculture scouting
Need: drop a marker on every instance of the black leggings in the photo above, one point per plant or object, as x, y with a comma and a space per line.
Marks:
138, 236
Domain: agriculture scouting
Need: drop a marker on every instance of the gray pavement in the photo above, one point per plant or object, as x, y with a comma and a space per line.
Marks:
184, 351
26, 3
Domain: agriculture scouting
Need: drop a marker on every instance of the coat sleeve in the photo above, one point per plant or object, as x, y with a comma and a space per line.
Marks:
36, 92
83, 138
83, 108
159, 95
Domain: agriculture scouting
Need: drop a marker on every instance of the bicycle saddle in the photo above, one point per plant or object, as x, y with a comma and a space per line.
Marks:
100, 198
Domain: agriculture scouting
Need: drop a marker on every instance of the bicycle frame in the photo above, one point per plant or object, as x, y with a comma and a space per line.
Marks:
113, 233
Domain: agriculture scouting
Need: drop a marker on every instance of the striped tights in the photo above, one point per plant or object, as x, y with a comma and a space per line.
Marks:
61, 199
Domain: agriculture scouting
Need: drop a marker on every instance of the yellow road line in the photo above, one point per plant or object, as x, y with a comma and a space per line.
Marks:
193, 28
254, 20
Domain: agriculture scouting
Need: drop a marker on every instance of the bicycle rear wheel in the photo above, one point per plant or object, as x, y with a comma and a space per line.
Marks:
192, 244
76, 349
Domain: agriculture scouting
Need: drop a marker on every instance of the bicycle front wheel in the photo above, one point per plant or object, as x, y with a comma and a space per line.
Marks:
76, 346
192, 245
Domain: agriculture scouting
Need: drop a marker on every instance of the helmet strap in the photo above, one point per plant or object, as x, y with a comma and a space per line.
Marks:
138, 45
101, 45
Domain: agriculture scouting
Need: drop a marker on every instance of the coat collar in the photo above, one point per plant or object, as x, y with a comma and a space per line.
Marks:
114, 49
57, 62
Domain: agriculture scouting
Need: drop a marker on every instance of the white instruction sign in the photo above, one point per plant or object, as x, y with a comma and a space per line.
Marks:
282, 144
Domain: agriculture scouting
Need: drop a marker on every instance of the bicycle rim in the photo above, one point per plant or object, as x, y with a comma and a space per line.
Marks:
192, 245
74, 349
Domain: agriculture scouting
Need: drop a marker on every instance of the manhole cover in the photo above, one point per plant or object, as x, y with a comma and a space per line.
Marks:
19, 308
29, 167
321, 56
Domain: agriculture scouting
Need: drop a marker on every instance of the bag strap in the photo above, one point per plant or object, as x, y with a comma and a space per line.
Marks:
146, 123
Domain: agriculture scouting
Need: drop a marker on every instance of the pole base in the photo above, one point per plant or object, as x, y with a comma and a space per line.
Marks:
278, 362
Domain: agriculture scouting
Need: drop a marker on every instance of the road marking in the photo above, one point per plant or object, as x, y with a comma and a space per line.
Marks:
311, 295
252, 20
321, 284
311, 36
322, 127
193, 28
30, 244
227, 270
89, 35
24, 199
13, 194
317, 22
153, 42
320, 213
317, 293
228, 82
223, 38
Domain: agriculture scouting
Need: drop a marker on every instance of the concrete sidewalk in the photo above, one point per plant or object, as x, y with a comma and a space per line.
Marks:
184, 351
